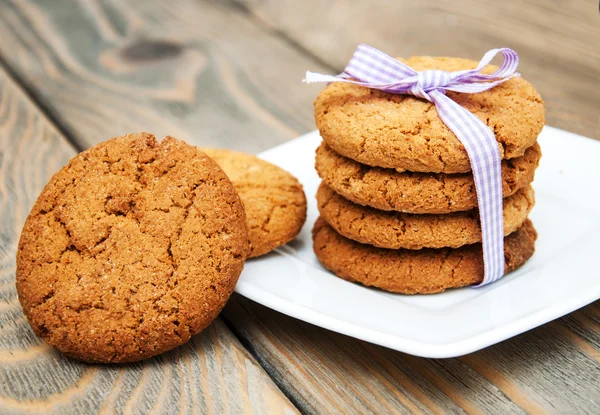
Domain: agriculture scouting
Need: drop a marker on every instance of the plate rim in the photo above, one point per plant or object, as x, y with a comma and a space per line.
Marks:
415, 347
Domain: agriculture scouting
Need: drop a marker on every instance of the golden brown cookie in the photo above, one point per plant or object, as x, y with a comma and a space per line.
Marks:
425, 271
274, 199
130, 249
387, 189
396, 230
405, 132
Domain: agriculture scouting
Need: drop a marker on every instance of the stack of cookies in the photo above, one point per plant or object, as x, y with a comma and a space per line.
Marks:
398, 203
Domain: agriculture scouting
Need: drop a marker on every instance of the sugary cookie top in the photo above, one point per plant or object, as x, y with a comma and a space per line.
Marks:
130, 249
405, 132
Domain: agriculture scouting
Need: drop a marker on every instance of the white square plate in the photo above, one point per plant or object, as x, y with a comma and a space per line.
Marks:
561, 277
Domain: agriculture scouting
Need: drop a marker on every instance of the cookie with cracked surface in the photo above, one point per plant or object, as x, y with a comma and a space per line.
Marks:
425, 271
394, 230
274, 199
130, 249
409, 192
405, 132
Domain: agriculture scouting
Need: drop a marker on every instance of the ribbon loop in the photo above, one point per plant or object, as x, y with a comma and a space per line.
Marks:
372, 68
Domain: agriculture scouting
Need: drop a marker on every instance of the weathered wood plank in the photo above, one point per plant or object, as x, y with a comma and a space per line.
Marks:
557, 40
212, 373
78, 60
544, 370
196, 71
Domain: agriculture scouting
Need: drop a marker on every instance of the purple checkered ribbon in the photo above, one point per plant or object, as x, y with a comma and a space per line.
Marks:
372, 68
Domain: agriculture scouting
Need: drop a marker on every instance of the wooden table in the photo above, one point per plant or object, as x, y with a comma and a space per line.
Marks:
227, 73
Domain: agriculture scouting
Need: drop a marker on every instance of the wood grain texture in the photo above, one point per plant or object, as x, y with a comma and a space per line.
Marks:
550, 369
212, 373
212, 74
194, 70
557, 40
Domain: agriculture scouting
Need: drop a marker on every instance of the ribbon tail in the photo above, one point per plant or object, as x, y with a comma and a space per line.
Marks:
482, 148
313, 77
401, 86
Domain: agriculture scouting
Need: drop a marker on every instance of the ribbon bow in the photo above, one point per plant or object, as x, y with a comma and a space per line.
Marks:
372, 68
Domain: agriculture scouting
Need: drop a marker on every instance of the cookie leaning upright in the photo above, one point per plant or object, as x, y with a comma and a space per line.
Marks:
130, 249
405, 132
274, 200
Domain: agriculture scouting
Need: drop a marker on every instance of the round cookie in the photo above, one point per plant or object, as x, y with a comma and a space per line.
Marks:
274, 199
130, 249
425, 271
405, 132
396, 230
387, 189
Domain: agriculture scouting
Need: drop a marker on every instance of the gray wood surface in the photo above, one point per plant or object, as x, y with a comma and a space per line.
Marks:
551, 369
558, 40
196, 70
227, 74
212, 373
